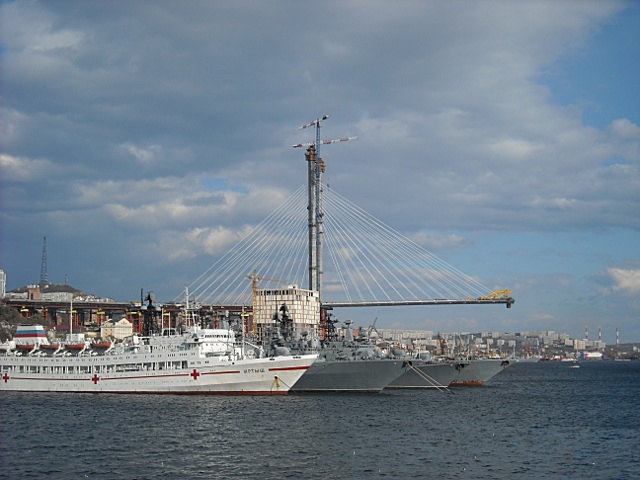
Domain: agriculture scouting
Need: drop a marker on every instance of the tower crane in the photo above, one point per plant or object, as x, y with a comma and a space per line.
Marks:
255, 278
325, 142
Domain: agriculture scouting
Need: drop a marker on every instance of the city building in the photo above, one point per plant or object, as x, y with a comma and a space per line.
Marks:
3, 283
303, 307
117, 329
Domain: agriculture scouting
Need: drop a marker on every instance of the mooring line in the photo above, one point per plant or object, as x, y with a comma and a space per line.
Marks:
429, 379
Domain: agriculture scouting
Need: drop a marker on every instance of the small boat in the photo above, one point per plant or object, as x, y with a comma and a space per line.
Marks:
76, 342
51, 347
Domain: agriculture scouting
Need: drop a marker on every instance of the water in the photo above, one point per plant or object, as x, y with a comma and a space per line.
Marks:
535, 421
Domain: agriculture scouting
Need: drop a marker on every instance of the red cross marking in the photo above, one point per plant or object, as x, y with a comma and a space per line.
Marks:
95, 378
195, 374
5, 378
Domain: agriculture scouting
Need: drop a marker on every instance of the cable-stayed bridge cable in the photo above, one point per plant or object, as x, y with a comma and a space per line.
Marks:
370, 262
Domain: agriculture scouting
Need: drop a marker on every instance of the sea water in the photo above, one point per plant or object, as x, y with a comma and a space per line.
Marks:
532, 421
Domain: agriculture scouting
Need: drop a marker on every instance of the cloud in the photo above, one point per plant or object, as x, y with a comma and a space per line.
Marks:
141, 128
436, 241
178, 246
145, 155
34, 30
514, 148
625, 129
460, 127
626, 280
20, 169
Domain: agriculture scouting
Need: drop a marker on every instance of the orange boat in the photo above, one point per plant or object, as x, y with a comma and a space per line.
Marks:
50, 346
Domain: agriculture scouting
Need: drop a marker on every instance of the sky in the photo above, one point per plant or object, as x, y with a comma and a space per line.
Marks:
144, 139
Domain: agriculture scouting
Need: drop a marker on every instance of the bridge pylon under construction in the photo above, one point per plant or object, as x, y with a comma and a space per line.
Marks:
349, 257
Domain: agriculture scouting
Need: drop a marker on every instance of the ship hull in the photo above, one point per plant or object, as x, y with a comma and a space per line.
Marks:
478, 372
425, 375
152, 373
365, 376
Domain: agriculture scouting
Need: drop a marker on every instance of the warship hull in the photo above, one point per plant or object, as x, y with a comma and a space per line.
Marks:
478, 372
425, 375
366, 376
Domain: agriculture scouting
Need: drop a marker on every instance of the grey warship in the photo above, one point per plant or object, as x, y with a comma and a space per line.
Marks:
462, 368
423, 372
345, 364
477, 371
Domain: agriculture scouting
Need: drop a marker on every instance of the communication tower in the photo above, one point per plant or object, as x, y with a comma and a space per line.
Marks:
44, 277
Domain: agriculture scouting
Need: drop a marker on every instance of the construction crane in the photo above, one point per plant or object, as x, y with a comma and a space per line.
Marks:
325, 142
371, 329
255, 278
497, 295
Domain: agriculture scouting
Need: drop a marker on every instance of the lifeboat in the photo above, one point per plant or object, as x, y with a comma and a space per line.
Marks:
26, 347
76, 343
50, 347
105, 344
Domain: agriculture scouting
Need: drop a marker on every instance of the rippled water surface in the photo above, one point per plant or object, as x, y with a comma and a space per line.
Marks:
542, 420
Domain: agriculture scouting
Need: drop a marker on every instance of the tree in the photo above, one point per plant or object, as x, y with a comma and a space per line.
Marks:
10, 314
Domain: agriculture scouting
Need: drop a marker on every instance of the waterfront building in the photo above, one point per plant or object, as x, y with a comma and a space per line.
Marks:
303, 307
118, 329
579, 344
